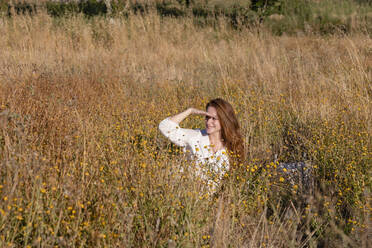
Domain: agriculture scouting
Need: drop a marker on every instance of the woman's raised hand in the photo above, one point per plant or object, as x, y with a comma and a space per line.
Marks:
181, 116
195, 111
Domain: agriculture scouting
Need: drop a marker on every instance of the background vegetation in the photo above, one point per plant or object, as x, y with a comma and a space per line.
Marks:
281, 16
83, 164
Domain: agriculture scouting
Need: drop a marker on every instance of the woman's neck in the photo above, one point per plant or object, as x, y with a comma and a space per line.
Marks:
215, 141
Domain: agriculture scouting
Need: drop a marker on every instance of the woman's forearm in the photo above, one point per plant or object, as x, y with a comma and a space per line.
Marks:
181, 116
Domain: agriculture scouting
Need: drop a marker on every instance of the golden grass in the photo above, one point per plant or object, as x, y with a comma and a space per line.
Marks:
83, 164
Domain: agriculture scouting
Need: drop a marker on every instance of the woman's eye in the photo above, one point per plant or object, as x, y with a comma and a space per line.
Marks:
213, 118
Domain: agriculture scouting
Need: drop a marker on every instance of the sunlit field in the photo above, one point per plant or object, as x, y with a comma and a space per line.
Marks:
83, 163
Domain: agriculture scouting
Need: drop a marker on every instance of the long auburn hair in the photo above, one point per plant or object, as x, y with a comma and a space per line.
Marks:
230, 129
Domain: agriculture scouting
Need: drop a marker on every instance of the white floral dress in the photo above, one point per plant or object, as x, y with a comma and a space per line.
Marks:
195, 142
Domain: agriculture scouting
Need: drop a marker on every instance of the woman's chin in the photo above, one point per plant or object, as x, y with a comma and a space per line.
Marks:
209, 130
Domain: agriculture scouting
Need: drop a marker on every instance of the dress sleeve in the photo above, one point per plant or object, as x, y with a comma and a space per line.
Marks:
176, 134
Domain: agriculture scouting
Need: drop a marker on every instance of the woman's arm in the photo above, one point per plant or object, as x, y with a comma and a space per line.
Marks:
170, 128
181, 116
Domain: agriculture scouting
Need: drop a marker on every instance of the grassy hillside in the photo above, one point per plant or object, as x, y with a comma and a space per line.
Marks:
82, 163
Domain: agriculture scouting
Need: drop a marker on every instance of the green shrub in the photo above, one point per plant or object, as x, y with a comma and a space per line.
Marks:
330, 16
19, 8
60, 9
88, 8
168, 9
93, 7
266, 7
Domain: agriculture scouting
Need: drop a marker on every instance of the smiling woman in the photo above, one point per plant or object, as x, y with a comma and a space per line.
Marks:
213, 148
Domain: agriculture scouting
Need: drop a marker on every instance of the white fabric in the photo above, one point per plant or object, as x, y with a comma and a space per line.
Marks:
196, 145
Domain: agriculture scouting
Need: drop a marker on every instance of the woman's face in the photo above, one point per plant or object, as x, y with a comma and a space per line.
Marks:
212, 124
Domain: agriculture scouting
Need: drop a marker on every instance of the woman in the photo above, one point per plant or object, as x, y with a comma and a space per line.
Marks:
214, 148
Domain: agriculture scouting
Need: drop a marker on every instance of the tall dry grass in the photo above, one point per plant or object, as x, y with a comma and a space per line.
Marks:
83, 164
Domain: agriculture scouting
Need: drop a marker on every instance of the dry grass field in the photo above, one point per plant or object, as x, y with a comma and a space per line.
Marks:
82, 163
